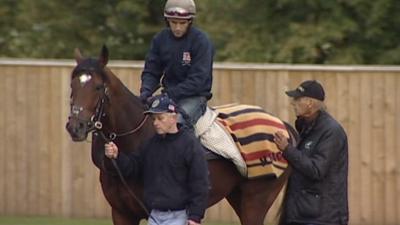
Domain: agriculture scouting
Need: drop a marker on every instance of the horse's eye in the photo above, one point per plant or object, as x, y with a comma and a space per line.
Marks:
99, 87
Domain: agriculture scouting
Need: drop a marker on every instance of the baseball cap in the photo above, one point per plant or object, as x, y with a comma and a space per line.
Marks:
309, 88
162, 104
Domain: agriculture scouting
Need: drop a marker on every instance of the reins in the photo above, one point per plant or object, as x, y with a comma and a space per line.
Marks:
96, 126
112, 136
114, 162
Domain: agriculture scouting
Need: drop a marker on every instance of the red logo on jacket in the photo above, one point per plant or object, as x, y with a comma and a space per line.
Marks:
186, 58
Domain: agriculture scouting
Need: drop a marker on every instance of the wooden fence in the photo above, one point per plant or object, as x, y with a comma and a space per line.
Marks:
44, 173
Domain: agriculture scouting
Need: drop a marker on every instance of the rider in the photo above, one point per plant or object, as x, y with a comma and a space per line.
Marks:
180, 60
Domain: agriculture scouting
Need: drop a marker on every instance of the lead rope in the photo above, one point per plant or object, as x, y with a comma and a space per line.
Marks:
114, 162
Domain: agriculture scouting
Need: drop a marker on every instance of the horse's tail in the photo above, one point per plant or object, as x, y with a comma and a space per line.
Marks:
294, 137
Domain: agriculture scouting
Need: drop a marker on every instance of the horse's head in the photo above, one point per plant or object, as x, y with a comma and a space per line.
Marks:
88, 94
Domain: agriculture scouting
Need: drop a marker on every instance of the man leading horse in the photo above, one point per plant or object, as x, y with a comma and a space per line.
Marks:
173, 168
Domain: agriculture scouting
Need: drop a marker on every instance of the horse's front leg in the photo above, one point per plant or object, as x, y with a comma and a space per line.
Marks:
119, 218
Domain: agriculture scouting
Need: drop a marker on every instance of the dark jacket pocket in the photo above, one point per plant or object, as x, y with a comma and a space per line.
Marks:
309, 203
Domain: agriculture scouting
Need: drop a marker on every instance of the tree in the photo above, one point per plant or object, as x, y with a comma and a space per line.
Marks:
305, 31
52, 29
273, 31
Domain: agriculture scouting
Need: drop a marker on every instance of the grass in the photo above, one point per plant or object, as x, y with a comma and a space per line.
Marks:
51, 221
5, 220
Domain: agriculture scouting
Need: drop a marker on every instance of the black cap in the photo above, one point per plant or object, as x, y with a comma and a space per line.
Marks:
162, 104
309, 88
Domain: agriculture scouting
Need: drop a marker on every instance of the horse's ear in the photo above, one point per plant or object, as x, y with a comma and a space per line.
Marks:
78, 55
103, 59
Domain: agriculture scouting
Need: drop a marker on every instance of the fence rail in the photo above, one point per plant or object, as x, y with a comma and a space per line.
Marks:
44, 173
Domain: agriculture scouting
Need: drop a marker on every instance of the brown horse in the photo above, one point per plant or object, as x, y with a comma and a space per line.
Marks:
101, 104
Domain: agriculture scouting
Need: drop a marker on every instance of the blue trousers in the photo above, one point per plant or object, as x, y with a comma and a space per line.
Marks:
191, 110
168, 217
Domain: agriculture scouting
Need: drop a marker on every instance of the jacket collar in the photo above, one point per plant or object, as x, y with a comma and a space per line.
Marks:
304, 127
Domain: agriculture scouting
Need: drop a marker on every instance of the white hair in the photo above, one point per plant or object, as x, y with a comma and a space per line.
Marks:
318, 104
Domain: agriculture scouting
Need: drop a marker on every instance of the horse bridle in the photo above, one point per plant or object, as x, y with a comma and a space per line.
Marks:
95, 125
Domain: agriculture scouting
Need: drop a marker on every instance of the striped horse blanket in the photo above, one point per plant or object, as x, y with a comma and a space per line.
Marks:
252, 130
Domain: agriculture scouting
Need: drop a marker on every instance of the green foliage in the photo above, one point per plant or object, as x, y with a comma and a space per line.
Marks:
52, 29
307, 31
273, 31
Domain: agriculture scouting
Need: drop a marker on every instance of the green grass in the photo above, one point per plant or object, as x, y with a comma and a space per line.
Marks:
51, 221
5, 220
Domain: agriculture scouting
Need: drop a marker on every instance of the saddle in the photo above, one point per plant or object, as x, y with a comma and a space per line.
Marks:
244, 135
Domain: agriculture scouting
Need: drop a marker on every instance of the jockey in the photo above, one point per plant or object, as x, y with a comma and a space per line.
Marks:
180, 60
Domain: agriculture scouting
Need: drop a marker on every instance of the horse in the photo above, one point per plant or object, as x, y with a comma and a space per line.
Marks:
102, 104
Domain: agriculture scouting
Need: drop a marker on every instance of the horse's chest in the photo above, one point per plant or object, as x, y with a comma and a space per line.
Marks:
118, 195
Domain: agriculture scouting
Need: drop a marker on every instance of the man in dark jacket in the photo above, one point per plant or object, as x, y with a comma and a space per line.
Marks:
317, 188
173, 168
181, 59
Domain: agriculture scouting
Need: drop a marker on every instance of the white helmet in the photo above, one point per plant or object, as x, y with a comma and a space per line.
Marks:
180, 9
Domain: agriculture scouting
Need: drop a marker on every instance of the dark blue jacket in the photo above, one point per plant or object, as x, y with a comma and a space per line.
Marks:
317, 188
174, 171
186, 64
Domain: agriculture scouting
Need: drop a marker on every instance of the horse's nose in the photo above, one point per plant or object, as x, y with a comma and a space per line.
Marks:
72, 130
76, 129
67, 126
